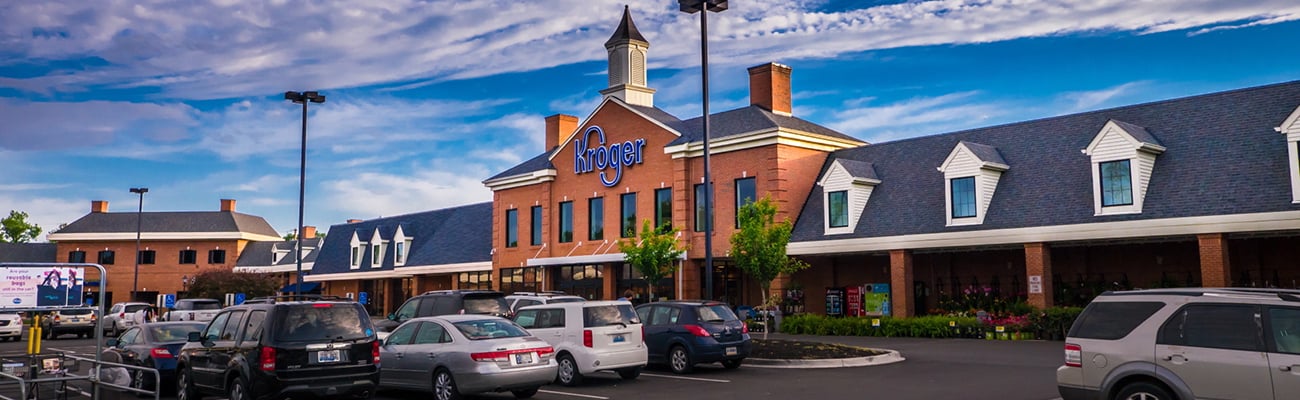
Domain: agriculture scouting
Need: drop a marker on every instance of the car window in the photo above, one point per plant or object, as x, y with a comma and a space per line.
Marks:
1218, 326
527, 319
253, 328
316, 321
135, 307
484, 329
550, 318
715, 313
117, 308
408, 310
665, 316
565, 300
644, 314
594, 316
232, 326
76, 312
128, 337
173, 332
431, 332
1285, 328
402, 335
426, 307
443, 305
1111, 320
214, 328
525, 303
485, 305
205, 305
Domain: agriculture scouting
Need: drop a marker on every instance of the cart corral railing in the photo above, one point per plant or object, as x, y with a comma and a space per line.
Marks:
62, 378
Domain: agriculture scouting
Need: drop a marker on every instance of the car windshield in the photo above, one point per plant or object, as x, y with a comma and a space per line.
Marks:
75, 312
489, 329
716, 313
204, 305
136, 307
307, 322
565, 300
614, 314
173, 332
486, 305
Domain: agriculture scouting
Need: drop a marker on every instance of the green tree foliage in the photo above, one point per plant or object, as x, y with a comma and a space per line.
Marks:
17, 229
653, 253
758, 248
215, 283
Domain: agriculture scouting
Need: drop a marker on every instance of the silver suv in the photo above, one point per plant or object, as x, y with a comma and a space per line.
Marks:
1189, 343
525, 299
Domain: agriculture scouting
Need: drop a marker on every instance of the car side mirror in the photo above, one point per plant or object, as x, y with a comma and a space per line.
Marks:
194, 337
111, 343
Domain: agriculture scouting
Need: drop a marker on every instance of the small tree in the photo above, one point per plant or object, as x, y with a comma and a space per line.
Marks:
758, 248
653, 253
17, 229
215, 283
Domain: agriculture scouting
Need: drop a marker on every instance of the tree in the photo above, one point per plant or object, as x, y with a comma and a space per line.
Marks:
653, 253
758, 248
215, 283
291, 236
17, 229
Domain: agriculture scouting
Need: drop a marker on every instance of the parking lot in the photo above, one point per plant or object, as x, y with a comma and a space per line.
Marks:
935, 368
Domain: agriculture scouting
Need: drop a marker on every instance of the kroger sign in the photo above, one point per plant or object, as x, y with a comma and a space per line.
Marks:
604, 158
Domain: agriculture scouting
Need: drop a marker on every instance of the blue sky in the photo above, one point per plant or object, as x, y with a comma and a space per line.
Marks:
428, 98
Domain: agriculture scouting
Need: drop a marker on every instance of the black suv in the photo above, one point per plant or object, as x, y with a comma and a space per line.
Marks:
282, 347
447, 302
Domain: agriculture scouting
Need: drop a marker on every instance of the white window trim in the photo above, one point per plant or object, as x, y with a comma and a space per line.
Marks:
355, 254
986, 174
400, 238
837, 179
1140, 156
1291, 128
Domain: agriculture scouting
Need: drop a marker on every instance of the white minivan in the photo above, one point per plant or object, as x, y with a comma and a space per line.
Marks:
589, 337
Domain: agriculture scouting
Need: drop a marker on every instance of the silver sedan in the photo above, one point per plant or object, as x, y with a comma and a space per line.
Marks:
452, 355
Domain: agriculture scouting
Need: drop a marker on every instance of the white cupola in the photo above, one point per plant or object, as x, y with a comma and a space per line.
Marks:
627, 75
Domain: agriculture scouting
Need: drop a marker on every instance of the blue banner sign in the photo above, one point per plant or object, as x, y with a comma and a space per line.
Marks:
363, 298
615, 156
169, 300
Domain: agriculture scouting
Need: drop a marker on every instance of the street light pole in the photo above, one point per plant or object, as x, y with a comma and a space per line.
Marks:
703, 7
139, 217
302, 98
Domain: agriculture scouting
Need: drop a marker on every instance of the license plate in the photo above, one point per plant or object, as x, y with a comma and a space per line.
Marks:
74, 319
731, 351
326, 356
620, 338
523, 358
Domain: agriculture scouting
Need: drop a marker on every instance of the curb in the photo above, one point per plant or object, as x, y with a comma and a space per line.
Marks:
890, 357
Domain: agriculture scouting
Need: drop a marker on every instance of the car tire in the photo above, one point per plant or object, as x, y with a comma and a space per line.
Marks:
524, 393
238, 390
732, 364
185, 387
444, 386
568, 373
115, 331
629, 373
1143, 391
679, 360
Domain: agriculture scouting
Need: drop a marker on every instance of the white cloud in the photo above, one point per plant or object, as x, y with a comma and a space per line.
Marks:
370, 195
44, 211
914, 117
50, 125
1091, 100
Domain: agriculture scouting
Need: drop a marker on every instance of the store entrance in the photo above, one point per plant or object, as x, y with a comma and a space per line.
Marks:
727, 285
579, 280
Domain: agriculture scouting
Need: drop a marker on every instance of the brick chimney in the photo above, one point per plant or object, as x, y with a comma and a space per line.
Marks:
558, 126
228, 205
98, 206
308, 232
353, 221
769, 87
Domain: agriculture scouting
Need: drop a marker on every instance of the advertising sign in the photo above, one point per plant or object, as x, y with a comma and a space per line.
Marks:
853, 295
875, 303
42, 287
834, 302
603, 158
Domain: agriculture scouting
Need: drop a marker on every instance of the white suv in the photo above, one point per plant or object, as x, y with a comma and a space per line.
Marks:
589, 337
118, 318
11, 326
519, 300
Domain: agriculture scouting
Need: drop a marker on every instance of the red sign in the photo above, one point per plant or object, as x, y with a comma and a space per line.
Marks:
853, 296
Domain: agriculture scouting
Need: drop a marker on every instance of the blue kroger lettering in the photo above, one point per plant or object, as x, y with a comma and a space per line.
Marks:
615, 156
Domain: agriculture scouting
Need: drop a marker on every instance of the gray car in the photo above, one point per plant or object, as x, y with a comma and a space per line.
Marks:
454, 355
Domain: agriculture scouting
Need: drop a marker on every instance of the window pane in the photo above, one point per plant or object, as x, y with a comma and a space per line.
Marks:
430, 332
1116, 184
664, 207
963, 197
253, 328
76, 256
512, 228
1112, 319
839, 210
536, 225
745, 194
1286, 329
232, 326
106, 257
596, 218
566, 222
701, 213
627, 224
1220, 326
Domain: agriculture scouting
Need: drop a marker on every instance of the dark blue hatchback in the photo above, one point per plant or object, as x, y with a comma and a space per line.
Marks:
683, 333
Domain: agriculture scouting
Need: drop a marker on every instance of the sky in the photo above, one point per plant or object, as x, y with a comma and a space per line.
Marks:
426, 99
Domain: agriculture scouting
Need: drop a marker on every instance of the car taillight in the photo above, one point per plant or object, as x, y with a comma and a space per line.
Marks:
191, 316
374, 352
121, 315
544, 352
160, 352
1073, 355
322, 305
56, 318
587, 339
268, 358
697, 330
744, 328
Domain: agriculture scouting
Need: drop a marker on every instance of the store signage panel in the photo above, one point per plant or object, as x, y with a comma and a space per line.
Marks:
41, 287
615, 156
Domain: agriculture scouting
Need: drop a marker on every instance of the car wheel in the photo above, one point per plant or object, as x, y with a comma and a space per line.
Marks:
679, 360
524, 393
115, 331
568, 374
444, 386
1144, 391
732, 364
629, 373
184, 388
238, 389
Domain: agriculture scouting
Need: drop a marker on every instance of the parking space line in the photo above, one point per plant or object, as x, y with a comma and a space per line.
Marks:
687, 378
62, 350
573, 394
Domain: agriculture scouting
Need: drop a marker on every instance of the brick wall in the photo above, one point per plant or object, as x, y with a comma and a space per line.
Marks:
164, 276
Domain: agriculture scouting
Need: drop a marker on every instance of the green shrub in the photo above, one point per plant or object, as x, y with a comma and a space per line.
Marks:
929, 326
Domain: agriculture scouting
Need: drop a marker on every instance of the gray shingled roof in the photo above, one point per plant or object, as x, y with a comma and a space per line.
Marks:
626, 31
985, 153
183, 221
858, 169
1222, 157
1139, 133
28, 252
447, 236
259, 254
749, 119
538, 163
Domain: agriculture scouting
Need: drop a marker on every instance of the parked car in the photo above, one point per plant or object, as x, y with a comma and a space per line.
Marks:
118, 318
447, 302
684, 333
77, 321
290, 347
589, 337
11, 326
1188, 343
202, 310
153, 345
525, 299
455, 355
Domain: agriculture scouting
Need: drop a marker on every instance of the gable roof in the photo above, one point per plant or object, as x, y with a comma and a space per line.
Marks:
749, 119
261, 254
858, 169
166, 222
538, 163
438, 237
1139, 133
1222, 157
985, 153
28, 252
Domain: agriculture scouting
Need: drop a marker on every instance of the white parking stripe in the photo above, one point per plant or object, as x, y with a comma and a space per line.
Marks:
573, 394
62, 350
687, 378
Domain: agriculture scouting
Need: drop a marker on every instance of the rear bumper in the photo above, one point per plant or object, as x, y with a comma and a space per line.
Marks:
633, 357
360, 386
708, 350
490, 378
1077, 393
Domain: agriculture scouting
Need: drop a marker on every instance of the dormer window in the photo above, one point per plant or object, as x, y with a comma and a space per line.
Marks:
972, 172
401, 246
1123, 157
846, 187
838, 208
356, 252
1291, 128
963, 197
376, 251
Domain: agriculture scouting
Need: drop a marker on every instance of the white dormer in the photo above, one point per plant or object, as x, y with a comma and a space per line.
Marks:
970, 175
1291, 128
278, 254
356, 252
376, 249
846, 187
1123, 157
401, 247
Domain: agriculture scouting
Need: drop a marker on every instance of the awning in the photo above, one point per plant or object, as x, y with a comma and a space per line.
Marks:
307, 287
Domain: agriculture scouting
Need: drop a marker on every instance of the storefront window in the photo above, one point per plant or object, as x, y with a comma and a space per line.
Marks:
475, 280
566, 222
664, 208
596, 218
627, 223
536, 226
701, 209
580, 280
746, 193
525, 279
512, 228
632, 285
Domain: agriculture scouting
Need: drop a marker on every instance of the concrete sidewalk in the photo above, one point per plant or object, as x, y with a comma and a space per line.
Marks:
1047, 354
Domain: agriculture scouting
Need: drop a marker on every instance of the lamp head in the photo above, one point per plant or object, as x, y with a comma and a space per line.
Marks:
293, 96
140, 190
694, 6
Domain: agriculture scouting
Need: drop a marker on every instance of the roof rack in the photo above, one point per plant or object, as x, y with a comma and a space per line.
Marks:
1284, 294
448, 291
542, 293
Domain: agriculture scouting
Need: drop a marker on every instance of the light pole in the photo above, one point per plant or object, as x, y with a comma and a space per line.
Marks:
139, 216
302, 98
703, 7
